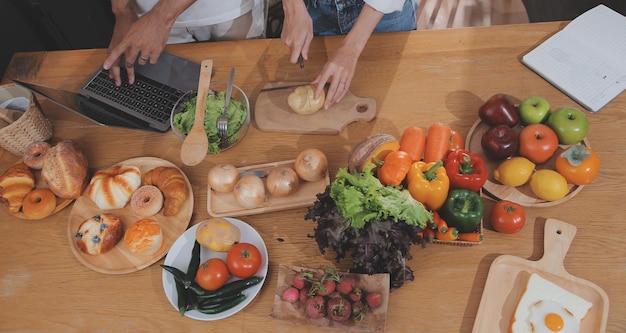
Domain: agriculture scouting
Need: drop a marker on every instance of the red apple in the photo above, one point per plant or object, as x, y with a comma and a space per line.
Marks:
538, 142
499, 110
500, 142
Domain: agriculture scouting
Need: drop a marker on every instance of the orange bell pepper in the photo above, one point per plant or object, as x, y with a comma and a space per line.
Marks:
428, 183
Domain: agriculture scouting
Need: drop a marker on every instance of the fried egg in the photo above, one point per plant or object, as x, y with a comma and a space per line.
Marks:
550, 317
547, 307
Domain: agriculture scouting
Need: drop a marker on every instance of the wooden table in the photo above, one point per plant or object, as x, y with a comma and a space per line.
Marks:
417, 78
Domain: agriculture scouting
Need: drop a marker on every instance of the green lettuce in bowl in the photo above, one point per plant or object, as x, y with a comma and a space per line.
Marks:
238, 116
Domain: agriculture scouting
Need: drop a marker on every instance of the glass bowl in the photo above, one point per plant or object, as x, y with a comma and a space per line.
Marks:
238, 116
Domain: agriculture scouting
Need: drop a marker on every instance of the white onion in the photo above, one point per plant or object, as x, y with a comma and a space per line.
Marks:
282, 181
223, 177
311, 164
249, 192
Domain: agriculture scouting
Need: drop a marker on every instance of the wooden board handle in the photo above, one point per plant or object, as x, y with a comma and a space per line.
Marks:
557, 238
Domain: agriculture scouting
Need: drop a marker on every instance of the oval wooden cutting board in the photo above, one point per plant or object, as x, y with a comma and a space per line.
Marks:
509, 275
272, 113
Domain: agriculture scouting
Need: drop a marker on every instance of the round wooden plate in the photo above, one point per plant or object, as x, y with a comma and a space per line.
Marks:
120, 260
522, 195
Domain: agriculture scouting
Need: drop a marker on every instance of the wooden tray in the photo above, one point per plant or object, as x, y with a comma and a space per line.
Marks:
120, 260
294, 313
40, 183
273, 114
522, 195
508, 276
224, 204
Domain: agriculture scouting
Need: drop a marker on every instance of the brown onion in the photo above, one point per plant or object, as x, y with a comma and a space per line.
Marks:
249, 192
282, 181
311, 164
223, 177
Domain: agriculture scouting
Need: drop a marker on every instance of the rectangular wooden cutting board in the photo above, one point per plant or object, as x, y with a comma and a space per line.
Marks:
509, 275
272, 113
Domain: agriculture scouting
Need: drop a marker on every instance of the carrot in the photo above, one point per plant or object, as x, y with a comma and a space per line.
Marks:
437, 142
471, 236
413, 141
429, 234
450, 235
440, 224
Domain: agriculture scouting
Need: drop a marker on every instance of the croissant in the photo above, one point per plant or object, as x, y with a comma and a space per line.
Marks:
172, 183
15, 183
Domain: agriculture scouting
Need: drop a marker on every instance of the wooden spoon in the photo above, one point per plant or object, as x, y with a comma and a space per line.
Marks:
196, 144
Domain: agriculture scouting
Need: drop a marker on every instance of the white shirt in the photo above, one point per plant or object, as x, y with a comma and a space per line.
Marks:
386, 6
209, 12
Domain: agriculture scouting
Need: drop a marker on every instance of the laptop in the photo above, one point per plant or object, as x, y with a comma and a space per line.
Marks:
145, 105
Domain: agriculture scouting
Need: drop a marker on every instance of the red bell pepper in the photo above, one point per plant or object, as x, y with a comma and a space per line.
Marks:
466, 170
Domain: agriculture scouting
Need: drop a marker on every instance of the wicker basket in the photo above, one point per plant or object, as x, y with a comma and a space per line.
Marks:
32, 126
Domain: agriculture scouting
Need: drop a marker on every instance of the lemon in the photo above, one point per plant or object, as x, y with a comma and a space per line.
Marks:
515, 171
548, 185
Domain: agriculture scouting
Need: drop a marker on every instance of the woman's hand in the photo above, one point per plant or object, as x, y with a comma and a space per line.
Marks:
297, 31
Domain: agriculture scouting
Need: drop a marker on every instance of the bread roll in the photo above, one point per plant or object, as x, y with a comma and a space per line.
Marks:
111, 188
172, 183
15, 183
302, 100
99, 234
65, 170
144, 237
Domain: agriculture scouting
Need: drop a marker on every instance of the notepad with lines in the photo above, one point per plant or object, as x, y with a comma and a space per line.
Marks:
586, 59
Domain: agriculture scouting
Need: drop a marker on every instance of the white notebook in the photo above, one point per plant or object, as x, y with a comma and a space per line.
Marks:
586, 59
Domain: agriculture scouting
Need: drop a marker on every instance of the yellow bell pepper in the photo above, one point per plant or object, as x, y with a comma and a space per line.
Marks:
428, 183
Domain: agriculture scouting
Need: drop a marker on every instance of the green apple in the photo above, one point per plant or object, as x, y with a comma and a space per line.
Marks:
570, 124
534, 110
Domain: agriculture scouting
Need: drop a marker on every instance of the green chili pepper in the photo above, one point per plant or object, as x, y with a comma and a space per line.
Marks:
194, 264
463, 209
224, 306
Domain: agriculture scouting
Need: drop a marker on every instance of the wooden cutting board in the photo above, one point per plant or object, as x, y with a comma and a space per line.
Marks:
272, 113
509, 275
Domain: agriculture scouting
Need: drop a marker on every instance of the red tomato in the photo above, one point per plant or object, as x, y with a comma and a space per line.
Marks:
243, 260
507, 217
538, 142
212, 274
586, 171
456, 141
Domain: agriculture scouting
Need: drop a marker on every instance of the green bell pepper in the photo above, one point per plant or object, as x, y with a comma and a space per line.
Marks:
463, 209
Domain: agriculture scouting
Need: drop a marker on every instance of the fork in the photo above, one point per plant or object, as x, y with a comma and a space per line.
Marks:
222, 121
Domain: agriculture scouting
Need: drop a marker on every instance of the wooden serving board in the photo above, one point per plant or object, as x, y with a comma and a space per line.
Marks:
509, 275
273, 114
224, 204
374, 320
522, 195
120, 260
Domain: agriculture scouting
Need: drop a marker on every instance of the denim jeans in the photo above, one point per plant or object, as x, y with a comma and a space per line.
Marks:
336, 17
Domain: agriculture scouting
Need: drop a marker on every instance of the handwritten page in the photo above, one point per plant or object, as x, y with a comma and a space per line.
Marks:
586, 59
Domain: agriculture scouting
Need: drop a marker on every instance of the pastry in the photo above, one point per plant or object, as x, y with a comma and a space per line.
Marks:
302, 100
15, 183
146, 201
65, 170
99, 234
144, 237
171, 182
35, 154
39, 203
111, 188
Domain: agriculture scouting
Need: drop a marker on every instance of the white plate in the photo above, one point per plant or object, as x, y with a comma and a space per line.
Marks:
180, 254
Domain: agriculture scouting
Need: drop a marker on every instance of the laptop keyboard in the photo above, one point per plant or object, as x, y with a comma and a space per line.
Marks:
147, 97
